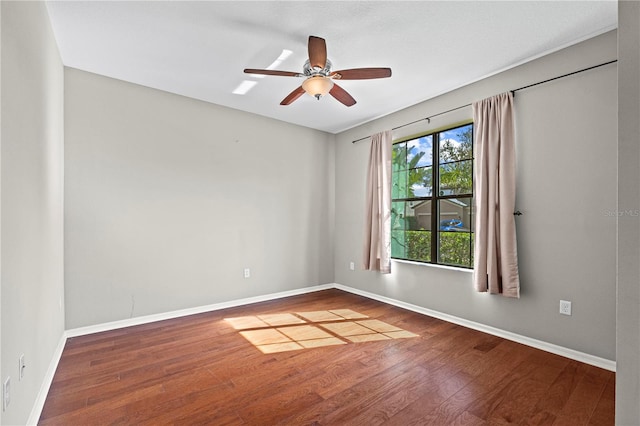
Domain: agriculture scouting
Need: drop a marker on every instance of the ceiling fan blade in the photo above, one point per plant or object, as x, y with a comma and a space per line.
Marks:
272, 72
361, 73
292, 96
317, 52
341, 95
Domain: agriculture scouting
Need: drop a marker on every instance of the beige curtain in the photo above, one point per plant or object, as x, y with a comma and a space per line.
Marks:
495, 255
377, 232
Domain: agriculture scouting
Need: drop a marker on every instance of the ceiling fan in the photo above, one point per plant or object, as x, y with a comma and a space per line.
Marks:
319, 77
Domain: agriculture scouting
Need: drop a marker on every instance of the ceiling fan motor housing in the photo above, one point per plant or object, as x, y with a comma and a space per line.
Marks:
309, 71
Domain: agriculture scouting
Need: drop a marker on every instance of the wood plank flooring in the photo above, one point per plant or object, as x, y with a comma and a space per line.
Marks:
201, 370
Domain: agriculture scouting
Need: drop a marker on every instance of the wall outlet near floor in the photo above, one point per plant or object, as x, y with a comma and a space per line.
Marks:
6, 393
352, 266
247, 273
565, 307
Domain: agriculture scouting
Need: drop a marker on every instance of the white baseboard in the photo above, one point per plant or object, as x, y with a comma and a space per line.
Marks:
38, 405
538, 344
81, 331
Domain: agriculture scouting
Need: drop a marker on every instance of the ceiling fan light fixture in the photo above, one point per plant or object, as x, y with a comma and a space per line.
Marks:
319, 78
317, 85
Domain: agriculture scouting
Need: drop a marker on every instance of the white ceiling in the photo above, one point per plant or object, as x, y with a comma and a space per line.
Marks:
199, 49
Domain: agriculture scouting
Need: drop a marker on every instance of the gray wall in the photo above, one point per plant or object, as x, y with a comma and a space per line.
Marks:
628, 330
169, 198
32, 201
566, 153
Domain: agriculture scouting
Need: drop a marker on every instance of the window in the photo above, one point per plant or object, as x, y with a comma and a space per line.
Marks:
432, 213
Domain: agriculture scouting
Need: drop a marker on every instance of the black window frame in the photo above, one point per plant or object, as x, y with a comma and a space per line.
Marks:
435, 197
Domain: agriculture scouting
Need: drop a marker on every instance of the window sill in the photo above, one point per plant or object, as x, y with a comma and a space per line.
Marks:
432, 265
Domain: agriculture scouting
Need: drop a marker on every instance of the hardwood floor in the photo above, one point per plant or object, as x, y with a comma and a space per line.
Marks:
201, 370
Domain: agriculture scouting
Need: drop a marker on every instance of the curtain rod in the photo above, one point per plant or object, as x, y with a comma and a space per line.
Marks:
512, 91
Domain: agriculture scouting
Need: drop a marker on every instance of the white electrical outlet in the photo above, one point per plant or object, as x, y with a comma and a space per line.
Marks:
247, 272
21, 367
6, 393
565, 307
352, 266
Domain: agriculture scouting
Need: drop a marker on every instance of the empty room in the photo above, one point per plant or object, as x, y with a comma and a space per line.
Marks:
320, 212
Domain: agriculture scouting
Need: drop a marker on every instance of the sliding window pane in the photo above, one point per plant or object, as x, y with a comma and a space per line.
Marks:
398, 244
399, 184
411, 245
420, 182
456, 226
399, 157
455, 248
456, 178
456, 214
418, 215
397, 215
418, 245
420, 152
456, 144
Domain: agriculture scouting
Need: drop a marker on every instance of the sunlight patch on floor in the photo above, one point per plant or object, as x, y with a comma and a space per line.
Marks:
318, 316
347, 328
304, 332
281, 319
348, 314
242, 323
283, 332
